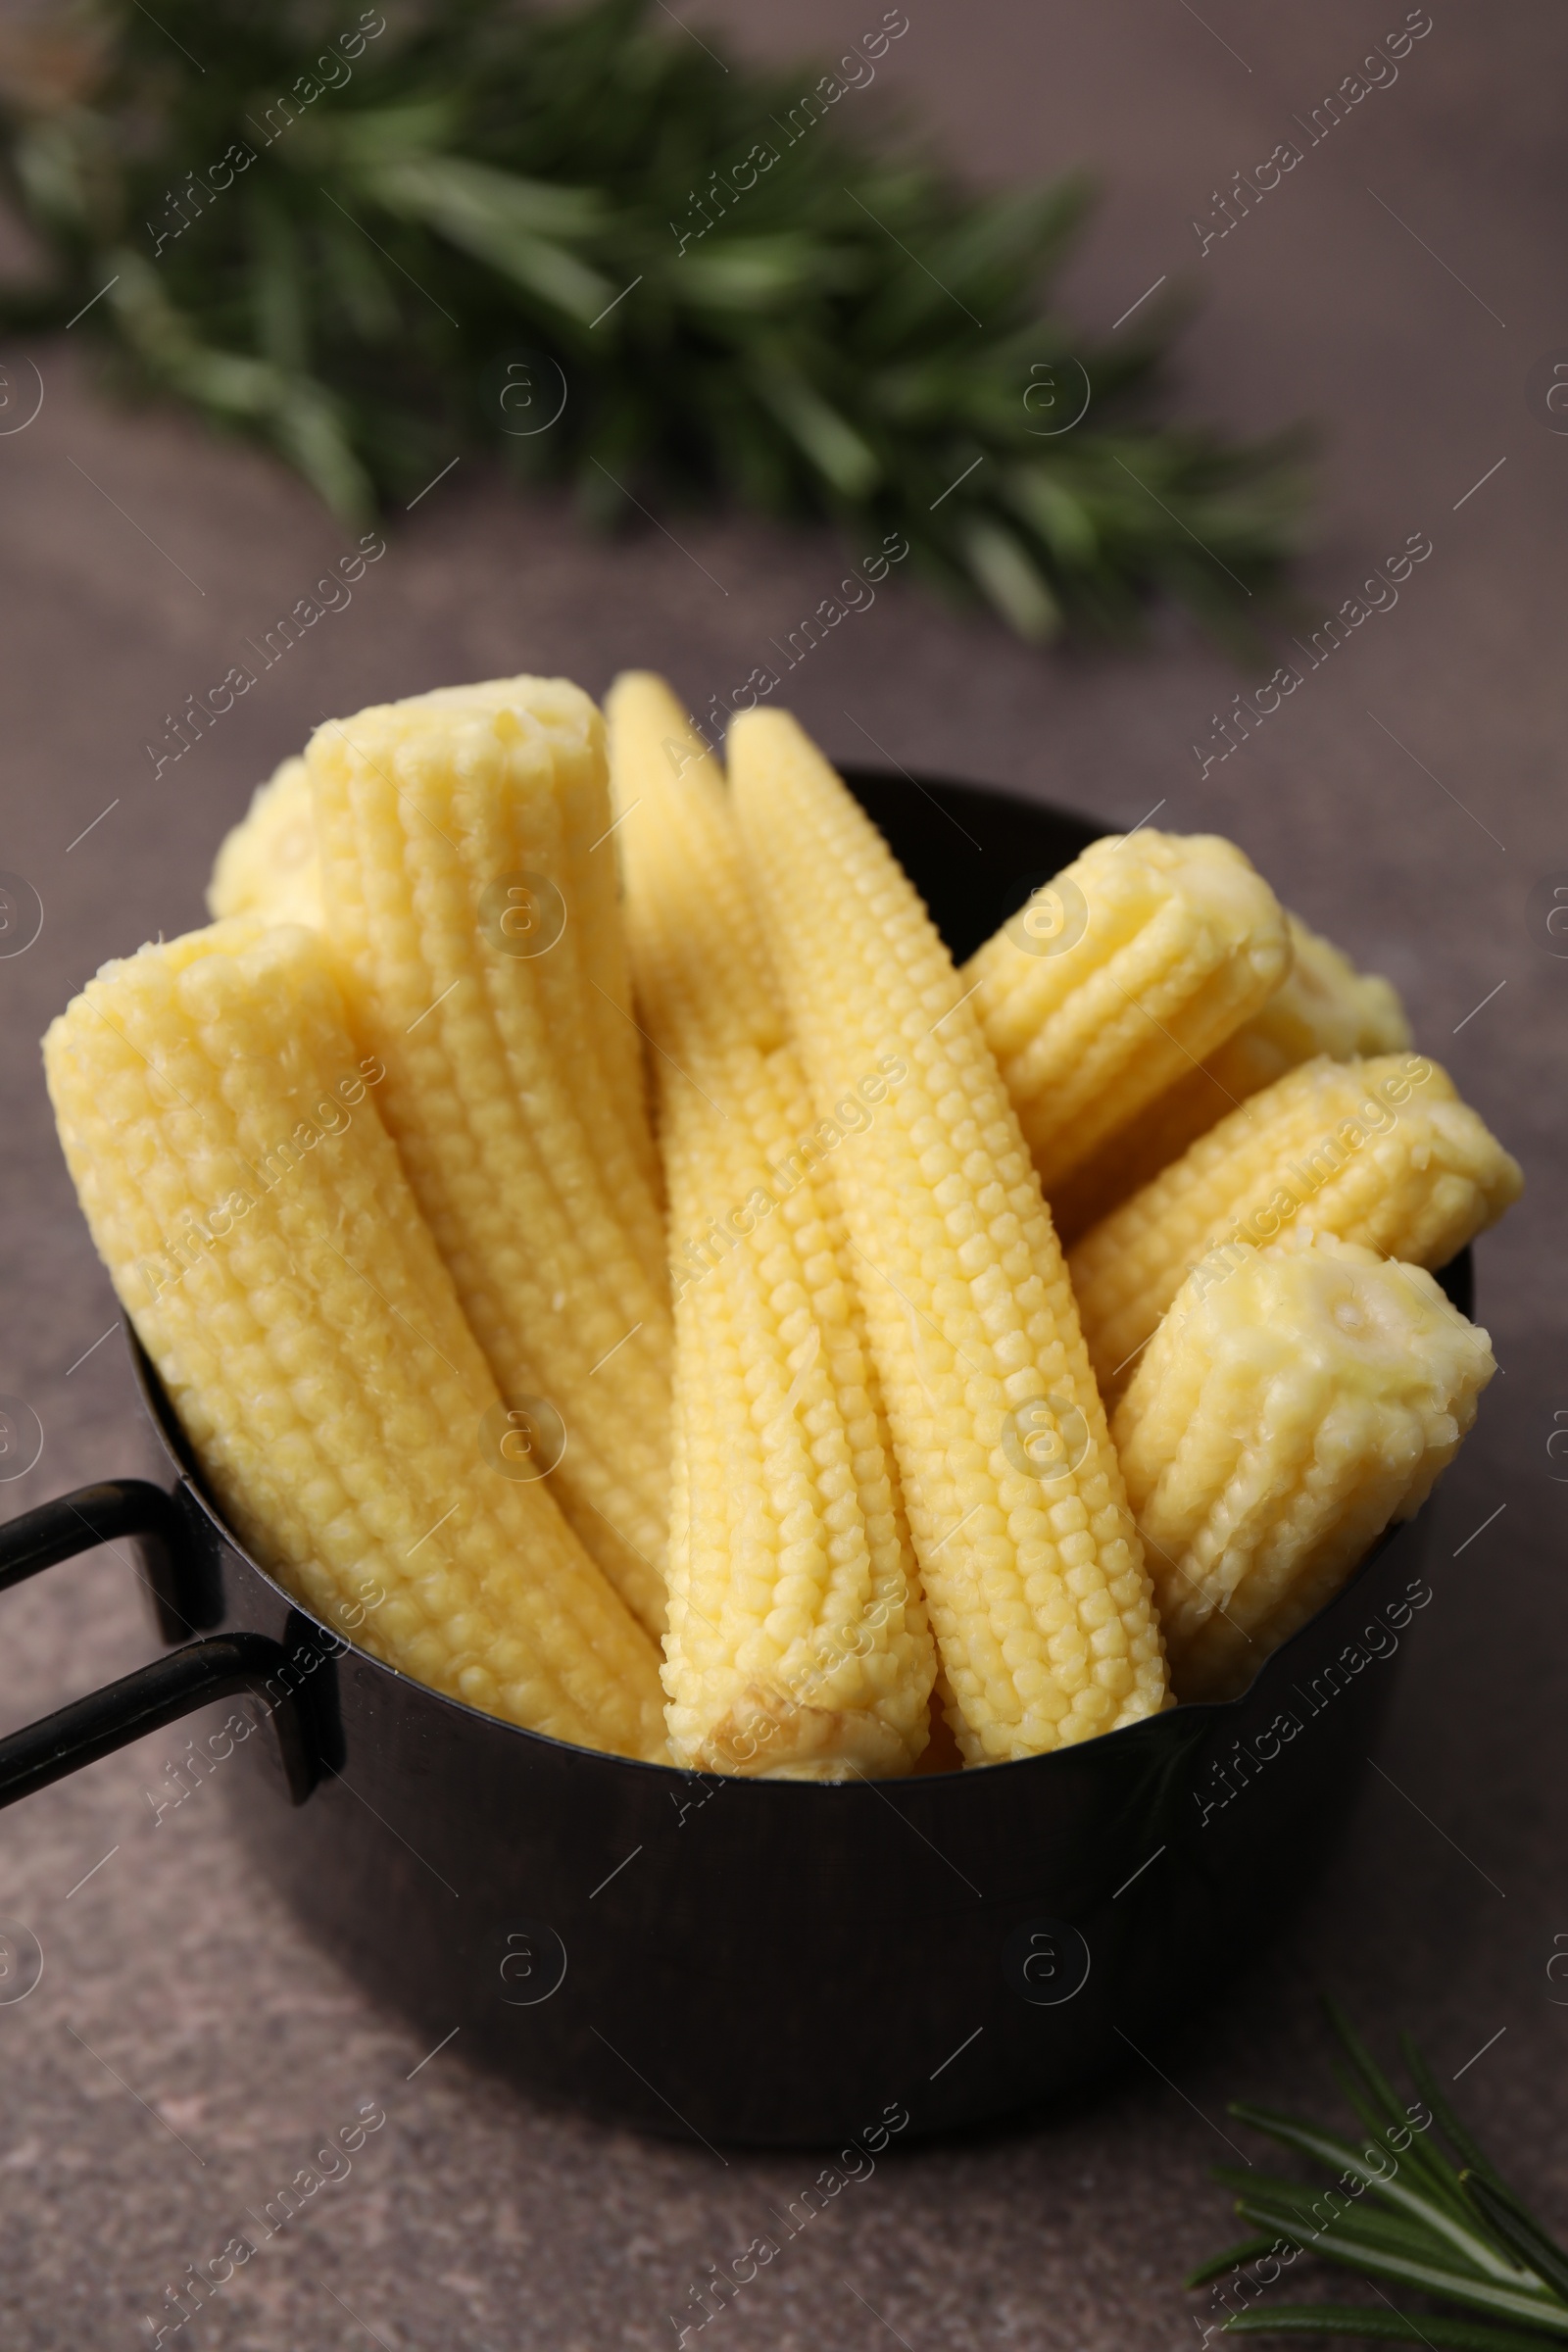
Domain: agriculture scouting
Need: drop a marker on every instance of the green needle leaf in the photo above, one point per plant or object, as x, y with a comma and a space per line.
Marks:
1359, 2252
1233, 2257
1465, 2241
1520, 2230
1453, 2131
1316, 2222
1339, 2154
1366, 2321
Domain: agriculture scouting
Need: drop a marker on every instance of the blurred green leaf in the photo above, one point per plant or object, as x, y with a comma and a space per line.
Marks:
752, 291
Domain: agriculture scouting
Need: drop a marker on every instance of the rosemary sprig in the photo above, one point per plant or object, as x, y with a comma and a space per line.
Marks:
373, 242
1456, 2233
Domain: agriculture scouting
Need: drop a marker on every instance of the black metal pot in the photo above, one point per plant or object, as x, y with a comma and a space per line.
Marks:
745, 1961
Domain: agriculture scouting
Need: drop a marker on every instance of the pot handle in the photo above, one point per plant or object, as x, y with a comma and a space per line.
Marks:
187, 1597
145, 1700
169, 1688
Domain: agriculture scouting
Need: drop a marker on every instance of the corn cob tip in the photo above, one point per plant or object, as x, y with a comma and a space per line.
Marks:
640, 700
1327, 1007
269, 863
508, 709
1322, 1006
1221, 884
1138, 958
247, 944
1123, 878
704, 982
1379, 1152
1293, 1401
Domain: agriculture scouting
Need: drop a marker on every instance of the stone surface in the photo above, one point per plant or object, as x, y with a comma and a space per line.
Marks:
185, 2044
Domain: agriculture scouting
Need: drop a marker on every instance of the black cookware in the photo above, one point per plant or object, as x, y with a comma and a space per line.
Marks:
743, 1960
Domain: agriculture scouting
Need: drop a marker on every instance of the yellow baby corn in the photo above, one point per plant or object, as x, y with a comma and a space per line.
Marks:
1380, 1153
591, 890
1293, 1402
1117, 977
1030, 1562
720, 990
268, 864
797, 1644
259, 1229
1323, 1005
456, 830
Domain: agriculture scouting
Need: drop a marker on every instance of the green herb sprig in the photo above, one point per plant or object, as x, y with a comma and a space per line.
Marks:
1399, 2211
374, 243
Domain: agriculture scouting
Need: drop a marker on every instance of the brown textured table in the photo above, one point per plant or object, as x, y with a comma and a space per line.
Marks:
186, 2045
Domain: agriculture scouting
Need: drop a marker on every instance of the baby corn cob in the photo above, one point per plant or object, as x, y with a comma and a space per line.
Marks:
590, 886
1293, 1401
267, 865
259, 1231
1380, 1153
1322, 1006
797, 1644
455, 832
723, 992
1031, 1564
1137, 960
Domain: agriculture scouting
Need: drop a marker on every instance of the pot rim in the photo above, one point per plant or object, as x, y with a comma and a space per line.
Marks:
1195, 1716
